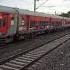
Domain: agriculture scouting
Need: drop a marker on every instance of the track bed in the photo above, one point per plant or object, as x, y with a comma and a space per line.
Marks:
25, 60
16, 49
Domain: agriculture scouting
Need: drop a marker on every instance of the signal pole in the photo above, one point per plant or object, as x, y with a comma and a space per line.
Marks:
34, 5
55, 12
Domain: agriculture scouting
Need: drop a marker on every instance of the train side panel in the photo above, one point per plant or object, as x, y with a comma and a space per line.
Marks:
38, 22
66, 23
4, 23
56, 23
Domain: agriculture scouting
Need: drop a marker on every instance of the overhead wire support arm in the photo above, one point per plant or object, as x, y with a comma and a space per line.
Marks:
39, 5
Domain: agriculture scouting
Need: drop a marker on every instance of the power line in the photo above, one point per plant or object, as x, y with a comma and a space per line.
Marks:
49, 6
41, 4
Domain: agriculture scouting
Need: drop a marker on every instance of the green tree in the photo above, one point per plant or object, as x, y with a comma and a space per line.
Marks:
65, 14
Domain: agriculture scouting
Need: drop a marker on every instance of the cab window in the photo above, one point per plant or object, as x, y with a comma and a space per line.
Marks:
3, 20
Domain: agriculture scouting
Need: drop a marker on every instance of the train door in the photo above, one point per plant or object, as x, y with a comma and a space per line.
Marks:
22, 24
7, 26
12, 24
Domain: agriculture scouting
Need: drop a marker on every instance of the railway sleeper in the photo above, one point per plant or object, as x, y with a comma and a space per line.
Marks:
25, 61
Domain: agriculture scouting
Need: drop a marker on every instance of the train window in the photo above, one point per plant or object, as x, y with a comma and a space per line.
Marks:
12, 20
32, 24
3, 19
40, 23
2, 22
36, 23
46, 23
23, 22
43, 23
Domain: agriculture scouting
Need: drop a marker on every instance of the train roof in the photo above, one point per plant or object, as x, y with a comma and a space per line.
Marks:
38, 14
7, 9
27, 12
21, 11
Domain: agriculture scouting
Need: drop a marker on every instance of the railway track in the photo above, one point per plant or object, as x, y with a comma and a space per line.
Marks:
23, 47
23, 61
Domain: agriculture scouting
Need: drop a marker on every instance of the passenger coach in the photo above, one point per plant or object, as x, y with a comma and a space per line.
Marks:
20, 24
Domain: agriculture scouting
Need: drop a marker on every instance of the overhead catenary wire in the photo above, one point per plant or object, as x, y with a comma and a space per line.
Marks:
42, 4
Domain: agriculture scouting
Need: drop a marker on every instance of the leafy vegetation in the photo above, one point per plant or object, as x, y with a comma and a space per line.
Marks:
65, 14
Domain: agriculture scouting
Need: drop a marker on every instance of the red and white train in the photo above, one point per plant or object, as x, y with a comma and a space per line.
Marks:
22, 23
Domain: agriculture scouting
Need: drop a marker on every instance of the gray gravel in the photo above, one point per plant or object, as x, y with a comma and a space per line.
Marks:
18, 47
59, 59
15, 48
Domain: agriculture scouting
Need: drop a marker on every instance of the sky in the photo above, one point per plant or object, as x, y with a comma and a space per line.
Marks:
49, 6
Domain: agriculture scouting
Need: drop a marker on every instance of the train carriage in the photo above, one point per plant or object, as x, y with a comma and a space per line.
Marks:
20, 24
8, 20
